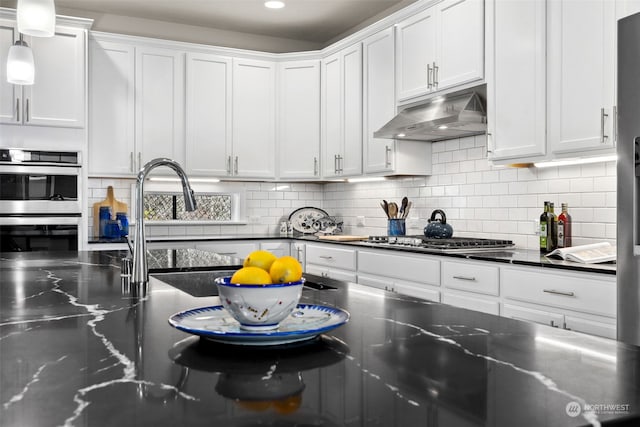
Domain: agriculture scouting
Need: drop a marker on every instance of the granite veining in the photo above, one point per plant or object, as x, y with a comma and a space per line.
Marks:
75, 350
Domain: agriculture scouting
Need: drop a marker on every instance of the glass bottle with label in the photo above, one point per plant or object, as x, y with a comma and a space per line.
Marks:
564, 228
544, 227
552, 230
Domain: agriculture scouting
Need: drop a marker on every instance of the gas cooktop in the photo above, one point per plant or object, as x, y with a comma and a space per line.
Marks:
455, 244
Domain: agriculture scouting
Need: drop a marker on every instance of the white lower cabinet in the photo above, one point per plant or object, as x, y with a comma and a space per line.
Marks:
278, 248
237, 249
471, 302
579, 302
471, 276
413, 289
331, 261
407, 274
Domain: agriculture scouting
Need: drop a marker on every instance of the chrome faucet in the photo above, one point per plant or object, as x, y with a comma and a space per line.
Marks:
140, 273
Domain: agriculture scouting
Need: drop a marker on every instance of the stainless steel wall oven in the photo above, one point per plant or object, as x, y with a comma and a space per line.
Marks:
39, 200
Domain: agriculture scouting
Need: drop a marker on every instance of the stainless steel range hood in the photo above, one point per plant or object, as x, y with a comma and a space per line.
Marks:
449, 116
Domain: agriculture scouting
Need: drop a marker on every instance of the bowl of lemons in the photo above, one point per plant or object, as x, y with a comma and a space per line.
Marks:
263, 292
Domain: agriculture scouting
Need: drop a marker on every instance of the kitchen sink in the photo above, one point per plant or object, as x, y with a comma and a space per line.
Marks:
202, 283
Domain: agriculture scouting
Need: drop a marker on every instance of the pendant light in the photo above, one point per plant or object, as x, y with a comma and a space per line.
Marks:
20, 66
36, 17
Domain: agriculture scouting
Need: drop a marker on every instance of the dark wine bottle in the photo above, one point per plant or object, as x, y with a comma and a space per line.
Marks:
552, 230
544, 227
564, 228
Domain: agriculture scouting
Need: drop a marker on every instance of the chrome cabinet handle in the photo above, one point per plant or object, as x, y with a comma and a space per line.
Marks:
489, 143
603, 115
340, 164
131, 161
326, 257
315, 166
552, 291
387, 156
26, 113
227, 253
335, 164
18, 110
469, 279
435, 75
429, 76
228, 165
236, 165
139, 159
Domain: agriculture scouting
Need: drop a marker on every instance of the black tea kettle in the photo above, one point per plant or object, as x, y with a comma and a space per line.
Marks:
438, 227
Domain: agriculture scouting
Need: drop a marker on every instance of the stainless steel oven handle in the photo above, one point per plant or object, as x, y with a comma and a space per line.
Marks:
40, 220
21, 169
18, 110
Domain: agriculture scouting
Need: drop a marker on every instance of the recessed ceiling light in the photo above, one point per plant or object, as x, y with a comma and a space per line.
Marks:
401, 135
274, 4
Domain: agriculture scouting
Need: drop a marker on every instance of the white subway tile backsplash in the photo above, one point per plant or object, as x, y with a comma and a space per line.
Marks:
480, 200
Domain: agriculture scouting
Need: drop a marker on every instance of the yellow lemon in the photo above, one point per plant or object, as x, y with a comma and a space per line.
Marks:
285, 269
288, 405
251, 276
261, 259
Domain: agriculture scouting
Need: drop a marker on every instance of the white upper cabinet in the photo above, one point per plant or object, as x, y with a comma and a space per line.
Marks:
581, 74
111, 108
159, 117
57, 98
342, 112
253, 119
299, 119
208, 114
440, 47
516, 79
379, 99
386, 156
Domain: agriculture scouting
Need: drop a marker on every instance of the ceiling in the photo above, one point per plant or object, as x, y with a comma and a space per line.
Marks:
317, 21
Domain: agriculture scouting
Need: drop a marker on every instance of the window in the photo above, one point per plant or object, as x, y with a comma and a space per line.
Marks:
168, 206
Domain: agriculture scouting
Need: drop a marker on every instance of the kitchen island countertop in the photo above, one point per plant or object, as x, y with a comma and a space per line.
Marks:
76, 349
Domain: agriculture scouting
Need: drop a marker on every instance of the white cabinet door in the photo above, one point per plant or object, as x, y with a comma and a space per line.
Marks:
342, 112
516, 111
111, 108
253, 118
440, 47
416, 52
593, 327
235, 249
10, 107
581, 68
533, 315
299, 119
208, 114
379, 99
471, 302
279, 249
159, 104
331, 114
460, 49
351, 161
57, 98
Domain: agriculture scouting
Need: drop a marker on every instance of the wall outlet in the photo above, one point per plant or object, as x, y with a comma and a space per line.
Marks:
414, 222
360, 221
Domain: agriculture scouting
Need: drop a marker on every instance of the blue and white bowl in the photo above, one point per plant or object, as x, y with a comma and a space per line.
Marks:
259, 307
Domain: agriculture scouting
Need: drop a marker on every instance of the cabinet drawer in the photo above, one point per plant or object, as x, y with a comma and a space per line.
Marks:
332, 273
331, 257
533, 315
593, 327
472, 303
419, 269
560, 290
471, 277
413, 289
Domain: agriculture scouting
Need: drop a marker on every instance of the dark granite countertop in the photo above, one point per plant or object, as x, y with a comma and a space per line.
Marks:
516, 256
75, 350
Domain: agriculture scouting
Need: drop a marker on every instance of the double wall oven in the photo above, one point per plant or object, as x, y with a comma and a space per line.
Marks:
39, 200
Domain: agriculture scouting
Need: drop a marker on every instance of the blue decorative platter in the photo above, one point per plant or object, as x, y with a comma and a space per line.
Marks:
216, 324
